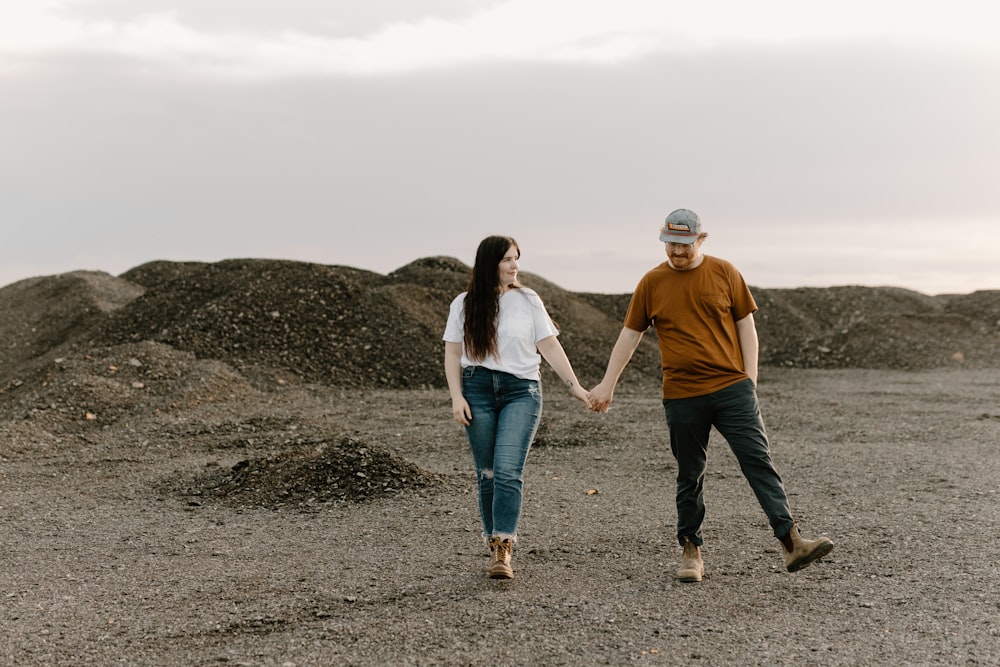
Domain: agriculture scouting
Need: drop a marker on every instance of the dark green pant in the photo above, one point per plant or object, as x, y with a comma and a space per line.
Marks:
735, 413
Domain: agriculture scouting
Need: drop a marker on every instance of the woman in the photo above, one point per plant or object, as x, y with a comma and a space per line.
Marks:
495, 332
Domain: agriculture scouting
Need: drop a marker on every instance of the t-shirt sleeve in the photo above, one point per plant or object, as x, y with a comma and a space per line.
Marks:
743, 301
637, 316
541, 321
454, 329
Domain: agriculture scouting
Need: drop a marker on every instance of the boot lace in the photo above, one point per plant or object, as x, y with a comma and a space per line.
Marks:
500, 550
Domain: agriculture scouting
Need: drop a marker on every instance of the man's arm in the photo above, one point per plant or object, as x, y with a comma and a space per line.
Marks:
602, 395
747, 332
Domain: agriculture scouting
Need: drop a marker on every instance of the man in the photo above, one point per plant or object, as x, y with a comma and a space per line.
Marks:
702, 311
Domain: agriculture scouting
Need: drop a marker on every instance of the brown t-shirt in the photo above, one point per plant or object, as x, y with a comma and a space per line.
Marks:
695, 314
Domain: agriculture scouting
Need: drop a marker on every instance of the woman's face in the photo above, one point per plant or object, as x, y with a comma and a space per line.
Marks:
507, 269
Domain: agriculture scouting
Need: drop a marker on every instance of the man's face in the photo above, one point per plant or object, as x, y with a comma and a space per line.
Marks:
683, 255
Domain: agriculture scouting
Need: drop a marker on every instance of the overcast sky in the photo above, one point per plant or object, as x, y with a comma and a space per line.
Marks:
855, 142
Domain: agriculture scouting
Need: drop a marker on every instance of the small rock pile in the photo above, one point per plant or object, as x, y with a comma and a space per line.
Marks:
314, 475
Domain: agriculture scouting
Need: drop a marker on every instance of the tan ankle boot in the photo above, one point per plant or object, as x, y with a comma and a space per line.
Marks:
800, 552
692, 568
501, 551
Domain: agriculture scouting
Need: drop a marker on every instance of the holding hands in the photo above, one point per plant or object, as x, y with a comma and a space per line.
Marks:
601, 397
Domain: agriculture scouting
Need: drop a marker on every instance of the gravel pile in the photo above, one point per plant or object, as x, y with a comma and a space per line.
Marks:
277, 320
877, 328
86, 350
326, 324
313, 475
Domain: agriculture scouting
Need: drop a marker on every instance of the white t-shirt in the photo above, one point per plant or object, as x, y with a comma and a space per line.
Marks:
521, 323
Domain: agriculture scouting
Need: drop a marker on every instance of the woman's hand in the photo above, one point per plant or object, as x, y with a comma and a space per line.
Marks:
581, 394
460, 411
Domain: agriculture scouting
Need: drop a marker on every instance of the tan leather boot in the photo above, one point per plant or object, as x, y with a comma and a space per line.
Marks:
800, 552
501, 551
692, 568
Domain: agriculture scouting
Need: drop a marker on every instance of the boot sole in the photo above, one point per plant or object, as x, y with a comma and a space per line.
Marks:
688, 577
811, 558
501, 575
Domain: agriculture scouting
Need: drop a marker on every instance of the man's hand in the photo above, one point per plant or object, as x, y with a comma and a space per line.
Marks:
601, 396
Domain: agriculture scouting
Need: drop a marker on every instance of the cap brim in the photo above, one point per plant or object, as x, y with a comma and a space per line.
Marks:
687, 239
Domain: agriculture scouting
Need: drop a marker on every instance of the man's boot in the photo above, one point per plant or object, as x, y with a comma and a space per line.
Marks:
692, 567
800, 552
501, 551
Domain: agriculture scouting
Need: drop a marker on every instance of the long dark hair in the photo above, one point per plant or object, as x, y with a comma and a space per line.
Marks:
482, 303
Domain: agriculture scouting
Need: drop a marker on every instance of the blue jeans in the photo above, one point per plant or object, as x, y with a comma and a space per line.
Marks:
505, 414
735, 413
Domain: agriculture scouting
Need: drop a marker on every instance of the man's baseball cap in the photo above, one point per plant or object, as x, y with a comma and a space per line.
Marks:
681, 226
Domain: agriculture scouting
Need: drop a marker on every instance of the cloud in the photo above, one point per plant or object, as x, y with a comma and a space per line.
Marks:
170, 36
414, 128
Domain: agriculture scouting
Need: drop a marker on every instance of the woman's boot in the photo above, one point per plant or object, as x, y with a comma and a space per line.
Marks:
501, 551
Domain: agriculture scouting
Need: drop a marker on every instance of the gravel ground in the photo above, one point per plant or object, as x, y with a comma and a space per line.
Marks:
253, 463
118, 549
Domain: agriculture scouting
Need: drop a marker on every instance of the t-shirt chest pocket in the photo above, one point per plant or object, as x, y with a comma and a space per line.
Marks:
717, 304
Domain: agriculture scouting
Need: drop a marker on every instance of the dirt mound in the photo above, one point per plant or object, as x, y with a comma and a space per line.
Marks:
443, 273
320, 473
877, 327
158, 273
983, 305
44, 313
279, 322
321, 323
101, 386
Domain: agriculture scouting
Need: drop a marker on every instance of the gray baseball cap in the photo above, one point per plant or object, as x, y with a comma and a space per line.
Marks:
681, 226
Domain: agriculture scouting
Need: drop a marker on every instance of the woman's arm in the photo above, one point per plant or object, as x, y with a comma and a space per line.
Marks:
555, 355
453, 374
